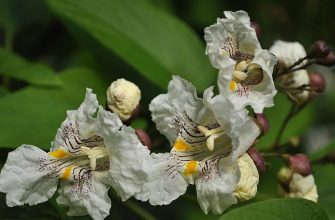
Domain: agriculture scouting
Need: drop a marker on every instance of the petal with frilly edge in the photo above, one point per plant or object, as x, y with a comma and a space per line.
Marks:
129, 159
180, 98
78, 129
92, 199
242, 130
22, 179
215, 190
258, 96
165, 182
231, 38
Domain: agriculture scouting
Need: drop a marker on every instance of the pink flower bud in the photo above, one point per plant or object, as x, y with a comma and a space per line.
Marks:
262, 122
329, 60
257, 28
143, 137
257, 158
300, 163
319, 49
317, 81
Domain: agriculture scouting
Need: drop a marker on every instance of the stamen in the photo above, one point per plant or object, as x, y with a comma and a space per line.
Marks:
94, 154
212, 135
242, 66
239, 76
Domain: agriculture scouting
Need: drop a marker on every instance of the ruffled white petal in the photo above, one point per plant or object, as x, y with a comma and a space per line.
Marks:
164, 185
94, 201
242, 130
79, 123
21, 179
259, 96
129, 159
181, 97
224, 37
215, 191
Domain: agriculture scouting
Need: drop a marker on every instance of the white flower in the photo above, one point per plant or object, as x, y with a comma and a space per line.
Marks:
295, 185
205, 147
292, 83
302, 187
123, 97
89, 155
245, 75
247, 186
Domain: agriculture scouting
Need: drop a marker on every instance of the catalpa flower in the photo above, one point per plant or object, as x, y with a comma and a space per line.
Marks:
205, 146
295, 185
92, 151
295, 83
245, 75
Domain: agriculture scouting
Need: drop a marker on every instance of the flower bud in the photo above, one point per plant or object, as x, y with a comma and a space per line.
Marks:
329, 60
262, 123
257, 29
257, 158
122, 98
319, 49
143, 137
303, 187
317, 81
247, 186
300, 163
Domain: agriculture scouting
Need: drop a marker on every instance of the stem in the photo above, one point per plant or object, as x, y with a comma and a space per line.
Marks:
276, 145
139, 210
291, 69
297, 63
273, 154
302, 67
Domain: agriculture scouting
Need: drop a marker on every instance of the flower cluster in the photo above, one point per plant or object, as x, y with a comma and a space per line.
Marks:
212, 138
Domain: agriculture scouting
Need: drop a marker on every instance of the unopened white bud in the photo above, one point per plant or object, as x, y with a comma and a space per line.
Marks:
123, 97
247, 186
294, 185
303, 187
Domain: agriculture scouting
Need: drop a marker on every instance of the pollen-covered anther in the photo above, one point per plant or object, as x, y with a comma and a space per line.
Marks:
239, 76
94, 154
248, 73
212, 134
242, 66
254, 74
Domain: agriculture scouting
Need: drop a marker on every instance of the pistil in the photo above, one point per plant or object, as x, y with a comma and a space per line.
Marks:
212, 134
94, 154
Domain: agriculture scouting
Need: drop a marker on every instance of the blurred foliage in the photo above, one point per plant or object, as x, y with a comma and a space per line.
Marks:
278, 209
52, 50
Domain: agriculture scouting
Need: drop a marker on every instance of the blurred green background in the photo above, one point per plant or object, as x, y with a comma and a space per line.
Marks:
52, 50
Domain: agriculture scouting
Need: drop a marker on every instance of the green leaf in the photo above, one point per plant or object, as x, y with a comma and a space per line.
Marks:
297, 126
3, 91
152, 41
278, 209
323, 151
325, 182
32, 115
18, 14
14, 66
